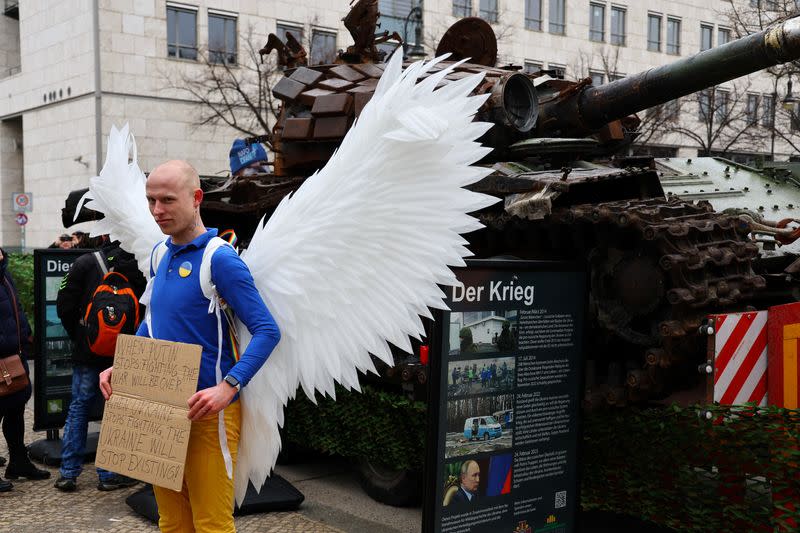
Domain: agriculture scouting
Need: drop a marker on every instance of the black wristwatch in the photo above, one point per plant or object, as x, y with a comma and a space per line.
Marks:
233, 382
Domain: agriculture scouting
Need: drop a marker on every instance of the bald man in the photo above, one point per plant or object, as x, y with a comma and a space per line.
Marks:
179, 312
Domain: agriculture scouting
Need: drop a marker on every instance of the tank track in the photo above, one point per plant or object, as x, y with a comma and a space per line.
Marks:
657, 268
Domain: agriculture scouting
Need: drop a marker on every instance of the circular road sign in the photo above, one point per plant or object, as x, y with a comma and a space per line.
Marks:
22, 201
21, 219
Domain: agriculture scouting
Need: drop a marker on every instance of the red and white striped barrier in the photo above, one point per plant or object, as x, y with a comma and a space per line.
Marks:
740, 358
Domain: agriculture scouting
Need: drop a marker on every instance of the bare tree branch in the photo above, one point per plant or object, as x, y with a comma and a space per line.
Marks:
724, 122
238, 94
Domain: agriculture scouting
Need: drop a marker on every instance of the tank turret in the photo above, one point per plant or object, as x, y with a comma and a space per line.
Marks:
658, 263
321, 102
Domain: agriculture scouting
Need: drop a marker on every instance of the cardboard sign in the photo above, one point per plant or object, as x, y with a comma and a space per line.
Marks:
146, 427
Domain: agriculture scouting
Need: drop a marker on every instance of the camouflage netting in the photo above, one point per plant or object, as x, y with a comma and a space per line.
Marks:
707, 468
735, 471
383, 427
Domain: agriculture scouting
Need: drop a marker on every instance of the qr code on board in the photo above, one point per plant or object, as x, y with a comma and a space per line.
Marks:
561, 499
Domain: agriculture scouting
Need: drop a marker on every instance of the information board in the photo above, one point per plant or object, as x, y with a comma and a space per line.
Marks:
506, 378
53, 365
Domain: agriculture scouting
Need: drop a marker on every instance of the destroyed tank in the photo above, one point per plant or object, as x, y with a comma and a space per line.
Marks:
657, 264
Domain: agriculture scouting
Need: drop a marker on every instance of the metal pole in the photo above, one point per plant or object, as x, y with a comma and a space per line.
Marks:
22, 238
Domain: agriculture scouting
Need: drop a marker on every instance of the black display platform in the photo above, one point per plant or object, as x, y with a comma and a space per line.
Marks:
276, 494
48, 451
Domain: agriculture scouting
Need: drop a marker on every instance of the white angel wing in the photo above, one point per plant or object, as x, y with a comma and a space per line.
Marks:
118, 193
354, 258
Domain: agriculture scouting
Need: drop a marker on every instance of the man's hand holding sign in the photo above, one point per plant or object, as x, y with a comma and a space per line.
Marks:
146, 423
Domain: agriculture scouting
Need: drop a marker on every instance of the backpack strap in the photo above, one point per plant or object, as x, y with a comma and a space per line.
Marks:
215, 306
159, 250
101, 262
156, 256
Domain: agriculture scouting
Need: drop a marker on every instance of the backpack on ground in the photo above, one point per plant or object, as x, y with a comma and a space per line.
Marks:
112, 309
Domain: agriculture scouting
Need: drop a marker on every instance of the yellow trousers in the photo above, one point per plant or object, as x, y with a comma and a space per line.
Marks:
205, 504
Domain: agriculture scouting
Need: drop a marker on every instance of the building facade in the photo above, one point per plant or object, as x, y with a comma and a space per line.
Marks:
71, 69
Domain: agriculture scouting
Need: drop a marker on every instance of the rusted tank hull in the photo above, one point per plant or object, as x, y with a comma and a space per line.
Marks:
656, 267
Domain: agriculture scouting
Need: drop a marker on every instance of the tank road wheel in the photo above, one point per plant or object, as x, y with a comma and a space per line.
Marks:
400, 488
628, 287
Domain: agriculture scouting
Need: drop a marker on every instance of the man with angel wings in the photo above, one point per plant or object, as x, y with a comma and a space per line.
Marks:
346, 265
178, 311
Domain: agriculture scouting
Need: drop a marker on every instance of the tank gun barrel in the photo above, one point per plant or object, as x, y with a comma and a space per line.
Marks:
596, 106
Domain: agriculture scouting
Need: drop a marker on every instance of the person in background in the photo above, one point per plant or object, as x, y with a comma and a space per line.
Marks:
80, 239
248, 160
15, 338
73, 298
64, 241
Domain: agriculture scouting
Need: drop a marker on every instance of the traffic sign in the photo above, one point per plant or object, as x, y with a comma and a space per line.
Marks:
22, 202
21, 219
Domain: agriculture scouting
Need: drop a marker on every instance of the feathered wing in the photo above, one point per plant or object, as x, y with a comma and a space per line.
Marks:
352, 260
118, 192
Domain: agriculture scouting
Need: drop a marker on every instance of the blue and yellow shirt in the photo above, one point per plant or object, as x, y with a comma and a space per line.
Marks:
179, 310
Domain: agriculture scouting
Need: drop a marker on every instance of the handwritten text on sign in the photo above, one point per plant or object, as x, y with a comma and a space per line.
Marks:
145, 428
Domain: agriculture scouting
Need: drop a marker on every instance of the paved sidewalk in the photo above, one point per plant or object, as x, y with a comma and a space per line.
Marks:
36, 506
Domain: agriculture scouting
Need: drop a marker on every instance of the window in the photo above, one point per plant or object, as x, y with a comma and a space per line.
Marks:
221, 38
654, 33
385, 50
181, 33
721, 99
598, 78
654, 113
666, 112
487, 10
559, 71
673, 36
615, 76
532, 67
533, 15
672, 110
393, 17
597, 22
704, 105
723, 36
618, 26
557, 22
282, 29
771, 5
752, 109
767, 109
323, 47
462, 8
706, 37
